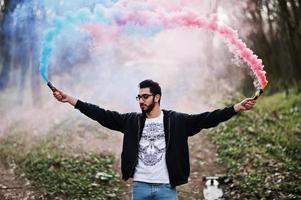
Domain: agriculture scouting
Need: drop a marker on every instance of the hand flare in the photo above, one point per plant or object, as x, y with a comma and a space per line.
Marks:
258, 93
51, 86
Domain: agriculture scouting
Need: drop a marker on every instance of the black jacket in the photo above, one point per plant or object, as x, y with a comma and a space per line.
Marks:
177, 127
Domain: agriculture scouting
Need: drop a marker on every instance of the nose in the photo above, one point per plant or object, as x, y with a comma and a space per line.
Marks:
141, 100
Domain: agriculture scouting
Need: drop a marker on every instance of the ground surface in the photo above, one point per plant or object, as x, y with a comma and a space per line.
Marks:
202, 159
13, 187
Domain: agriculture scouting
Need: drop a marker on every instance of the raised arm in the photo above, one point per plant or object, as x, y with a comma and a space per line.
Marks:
211, 119
109, 119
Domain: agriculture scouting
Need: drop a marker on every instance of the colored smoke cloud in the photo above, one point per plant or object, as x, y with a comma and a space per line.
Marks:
90, 58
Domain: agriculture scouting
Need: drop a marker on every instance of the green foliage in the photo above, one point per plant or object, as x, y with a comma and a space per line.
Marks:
58, 174
261, 149
72, 177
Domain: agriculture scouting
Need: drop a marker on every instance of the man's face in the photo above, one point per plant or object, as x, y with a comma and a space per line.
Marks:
146, 100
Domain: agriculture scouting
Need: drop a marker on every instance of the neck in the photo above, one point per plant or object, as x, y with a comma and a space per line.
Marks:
154, 113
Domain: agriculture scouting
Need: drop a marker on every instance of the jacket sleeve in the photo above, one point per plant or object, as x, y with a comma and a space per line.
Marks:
197, 122
109, 119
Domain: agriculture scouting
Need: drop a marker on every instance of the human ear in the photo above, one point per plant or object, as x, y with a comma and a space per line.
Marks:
157, 98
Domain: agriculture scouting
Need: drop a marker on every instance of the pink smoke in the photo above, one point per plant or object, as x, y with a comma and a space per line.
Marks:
187, 18
231, 37
102, 34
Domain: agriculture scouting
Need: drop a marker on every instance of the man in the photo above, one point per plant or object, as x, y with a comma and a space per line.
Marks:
155, 149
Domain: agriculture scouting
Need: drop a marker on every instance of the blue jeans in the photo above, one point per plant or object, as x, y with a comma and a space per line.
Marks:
153, 191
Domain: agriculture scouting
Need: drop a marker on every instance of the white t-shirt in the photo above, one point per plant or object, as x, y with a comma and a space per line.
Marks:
151, 165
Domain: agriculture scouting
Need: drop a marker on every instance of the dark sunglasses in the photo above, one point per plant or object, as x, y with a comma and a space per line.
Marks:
144, 96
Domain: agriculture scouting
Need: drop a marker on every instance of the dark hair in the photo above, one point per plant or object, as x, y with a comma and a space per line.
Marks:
153, 86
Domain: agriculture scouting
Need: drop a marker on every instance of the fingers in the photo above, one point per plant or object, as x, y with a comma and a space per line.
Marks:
248, 103
250, 100
249, 106
58, 95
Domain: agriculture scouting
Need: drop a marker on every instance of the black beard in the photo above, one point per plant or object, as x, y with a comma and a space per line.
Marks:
149, 108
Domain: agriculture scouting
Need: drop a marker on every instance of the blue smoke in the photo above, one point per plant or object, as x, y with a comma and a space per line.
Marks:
101, 12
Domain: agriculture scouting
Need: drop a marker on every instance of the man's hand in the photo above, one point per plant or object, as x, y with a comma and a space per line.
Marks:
246, 104
62, 97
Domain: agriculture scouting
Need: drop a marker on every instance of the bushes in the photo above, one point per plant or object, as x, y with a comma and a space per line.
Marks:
58, 174
72, 177
261, 149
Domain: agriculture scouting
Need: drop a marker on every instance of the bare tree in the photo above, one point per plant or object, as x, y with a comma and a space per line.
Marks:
277, 39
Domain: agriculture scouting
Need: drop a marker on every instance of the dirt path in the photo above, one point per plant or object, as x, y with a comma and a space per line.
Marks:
202, 159
13, 187
202, 163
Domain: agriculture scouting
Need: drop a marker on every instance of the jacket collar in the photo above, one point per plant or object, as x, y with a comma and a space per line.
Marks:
165, 113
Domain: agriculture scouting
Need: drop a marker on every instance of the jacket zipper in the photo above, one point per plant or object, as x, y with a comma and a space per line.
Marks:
138, 146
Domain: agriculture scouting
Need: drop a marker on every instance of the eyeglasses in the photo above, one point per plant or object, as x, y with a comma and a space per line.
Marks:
143, 96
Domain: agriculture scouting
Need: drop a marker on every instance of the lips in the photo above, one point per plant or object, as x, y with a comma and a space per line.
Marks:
143, 106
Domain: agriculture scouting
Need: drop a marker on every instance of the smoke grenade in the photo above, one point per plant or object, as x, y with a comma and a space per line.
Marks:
51, 86
258, 93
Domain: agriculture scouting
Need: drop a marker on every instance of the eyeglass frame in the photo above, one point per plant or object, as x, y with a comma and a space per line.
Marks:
143, 96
